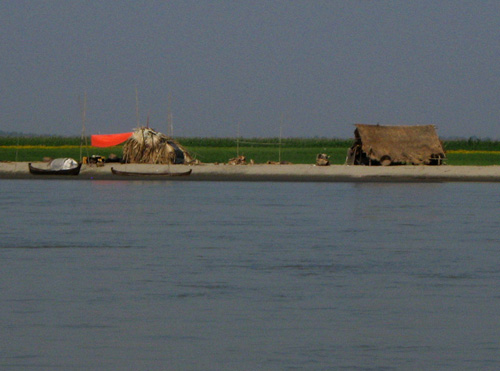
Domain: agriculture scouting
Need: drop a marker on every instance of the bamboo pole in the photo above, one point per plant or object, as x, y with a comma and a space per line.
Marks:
83, 135
238, 141
281, 133
137, 106
170, 119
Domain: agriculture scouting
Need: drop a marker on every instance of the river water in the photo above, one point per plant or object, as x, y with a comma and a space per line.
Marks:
134, 275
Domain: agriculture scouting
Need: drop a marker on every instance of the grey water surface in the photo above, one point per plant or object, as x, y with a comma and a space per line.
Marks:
98, 275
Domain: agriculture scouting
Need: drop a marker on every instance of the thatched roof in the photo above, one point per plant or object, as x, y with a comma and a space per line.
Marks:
151, 147
399, 144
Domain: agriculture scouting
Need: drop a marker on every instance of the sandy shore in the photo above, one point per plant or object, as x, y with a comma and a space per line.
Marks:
301, 173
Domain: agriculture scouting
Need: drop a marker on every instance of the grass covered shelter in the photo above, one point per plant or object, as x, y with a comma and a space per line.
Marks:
147, 146
395, 145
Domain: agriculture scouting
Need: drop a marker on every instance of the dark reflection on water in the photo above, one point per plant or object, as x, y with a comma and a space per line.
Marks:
210, 276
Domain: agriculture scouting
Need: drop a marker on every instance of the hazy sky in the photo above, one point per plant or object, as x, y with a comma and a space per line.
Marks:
322, 65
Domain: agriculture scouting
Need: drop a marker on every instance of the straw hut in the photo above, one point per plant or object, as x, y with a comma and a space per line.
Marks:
395, 145
147, 146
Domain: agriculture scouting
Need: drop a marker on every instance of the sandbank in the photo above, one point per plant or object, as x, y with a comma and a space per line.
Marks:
265, 172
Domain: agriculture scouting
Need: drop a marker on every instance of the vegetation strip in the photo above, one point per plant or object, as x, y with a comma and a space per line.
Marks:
261, 150
39, 146
467, 152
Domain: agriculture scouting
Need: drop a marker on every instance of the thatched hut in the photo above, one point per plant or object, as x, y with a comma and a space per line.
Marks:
150, 147
395, 145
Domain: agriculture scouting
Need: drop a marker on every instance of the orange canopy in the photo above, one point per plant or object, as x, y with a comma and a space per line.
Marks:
109, 140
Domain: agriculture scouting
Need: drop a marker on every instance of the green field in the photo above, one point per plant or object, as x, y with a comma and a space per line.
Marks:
261, 150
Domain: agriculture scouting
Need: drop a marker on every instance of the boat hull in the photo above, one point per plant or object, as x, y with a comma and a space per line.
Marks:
152, 174
38, 171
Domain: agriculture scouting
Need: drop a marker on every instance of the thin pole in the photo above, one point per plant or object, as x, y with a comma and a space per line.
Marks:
238, 141
84, 136
17, 147
137, 106
170, 119
281, 132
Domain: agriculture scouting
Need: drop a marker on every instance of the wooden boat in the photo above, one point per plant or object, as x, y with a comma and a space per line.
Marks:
159, 174
49, 171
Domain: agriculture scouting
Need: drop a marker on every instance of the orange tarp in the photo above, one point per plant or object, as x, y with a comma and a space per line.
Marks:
109, 140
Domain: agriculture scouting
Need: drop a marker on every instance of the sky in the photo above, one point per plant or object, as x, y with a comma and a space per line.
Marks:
249, 68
